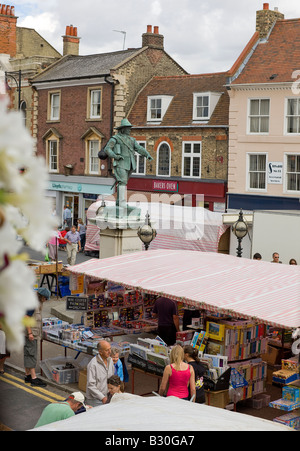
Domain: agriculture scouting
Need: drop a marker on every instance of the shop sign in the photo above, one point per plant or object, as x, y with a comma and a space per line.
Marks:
165, 185
77, 303
79, 188
275, 172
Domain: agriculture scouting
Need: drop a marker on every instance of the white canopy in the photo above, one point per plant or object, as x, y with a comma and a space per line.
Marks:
128, 412
222, 283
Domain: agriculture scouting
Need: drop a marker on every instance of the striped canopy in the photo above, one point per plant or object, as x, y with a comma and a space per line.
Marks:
226, 284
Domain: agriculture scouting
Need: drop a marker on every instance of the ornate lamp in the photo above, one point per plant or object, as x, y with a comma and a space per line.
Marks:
240, 229
146, 233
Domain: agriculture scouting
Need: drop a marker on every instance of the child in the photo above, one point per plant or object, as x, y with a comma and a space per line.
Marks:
117, 363
114, 385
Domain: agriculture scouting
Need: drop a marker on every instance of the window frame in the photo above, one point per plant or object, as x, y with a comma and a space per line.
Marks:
51, 117
286, 155
259, 116
287, 133
248, 187
197, 95
158, 156
138, 157
165, 103
90, 104
90, 157
51, 141
192, 155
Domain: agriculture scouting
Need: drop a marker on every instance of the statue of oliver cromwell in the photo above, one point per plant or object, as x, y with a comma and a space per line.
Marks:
122, 147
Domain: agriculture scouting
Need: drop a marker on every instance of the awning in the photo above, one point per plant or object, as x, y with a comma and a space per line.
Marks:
245, 288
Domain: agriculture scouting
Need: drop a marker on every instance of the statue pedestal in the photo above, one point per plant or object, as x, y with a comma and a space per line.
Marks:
118, 232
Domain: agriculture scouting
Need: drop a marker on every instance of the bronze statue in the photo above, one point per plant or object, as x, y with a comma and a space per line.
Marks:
122, 147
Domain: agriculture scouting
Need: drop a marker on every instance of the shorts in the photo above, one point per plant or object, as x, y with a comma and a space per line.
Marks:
30, 353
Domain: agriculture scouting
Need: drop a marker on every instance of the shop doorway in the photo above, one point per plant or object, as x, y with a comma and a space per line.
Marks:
72, 201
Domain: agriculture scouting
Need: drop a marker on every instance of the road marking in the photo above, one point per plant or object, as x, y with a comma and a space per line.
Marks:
37, 391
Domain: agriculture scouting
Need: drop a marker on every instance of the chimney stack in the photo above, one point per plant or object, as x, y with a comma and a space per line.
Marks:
153, 39
265, 19
8, 28
71, 41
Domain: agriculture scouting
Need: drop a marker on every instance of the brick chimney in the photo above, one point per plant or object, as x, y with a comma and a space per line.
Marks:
265, 19
153, 39
71, 41
8, 30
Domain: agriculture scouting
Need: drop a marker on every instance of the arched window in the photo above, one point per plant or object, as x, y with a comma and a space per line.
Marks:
163, 160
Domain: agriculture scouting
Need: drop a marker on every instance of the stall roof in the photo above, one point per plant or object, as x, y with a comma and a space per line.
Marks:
220, 283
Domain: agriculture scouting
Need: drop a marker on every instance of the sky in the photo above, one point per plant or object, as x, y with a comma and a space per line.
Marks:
203, 36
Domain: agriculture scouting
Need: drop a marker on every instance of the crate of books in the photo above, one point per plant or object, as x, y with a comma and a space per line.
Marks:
61, 369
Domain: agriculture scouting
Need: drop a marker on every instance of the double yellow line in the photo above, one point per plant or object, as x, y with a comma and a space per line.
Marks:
36, 391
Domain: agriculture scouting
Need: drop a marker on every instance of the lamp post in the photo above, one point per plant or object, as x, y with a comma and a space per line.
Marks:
146, 233
240, 229
17, 82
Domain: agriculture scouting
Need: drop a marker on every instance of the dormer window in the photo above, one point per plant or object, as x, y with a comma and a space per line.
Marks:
204, 104
157, 107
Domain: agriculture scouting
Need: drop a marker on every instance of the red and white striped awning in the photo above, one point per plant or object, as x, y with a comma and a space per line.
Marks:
221, 283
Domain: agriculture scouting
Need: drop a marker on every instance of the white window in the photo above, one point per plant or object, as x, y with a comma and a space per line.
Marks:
293, 116
257, 166
157, 107
163, 160
53, 156
191, 159
293, 172
93, 156
95, 103
140, 161
204, 104
54, 106
259, 115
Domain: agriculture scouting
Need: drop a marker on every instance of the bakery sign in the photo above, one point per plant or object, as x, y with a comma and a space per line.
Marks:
165, 185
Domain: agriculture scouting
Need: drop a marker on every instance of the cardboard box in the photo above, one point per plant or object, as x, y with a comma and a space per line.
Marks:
272, 356
50, 268
217, 398
82, 380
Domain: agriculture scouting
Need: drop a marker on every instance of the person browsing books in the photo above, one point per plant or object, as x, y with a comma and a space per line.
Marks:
191, 357
179, 376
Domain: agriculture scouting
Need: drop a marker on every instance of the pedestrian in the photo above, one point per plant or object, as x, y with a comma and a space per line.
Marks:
178, 377
67, 216
53, 244
61, 410
168, 320
73, 245
275, 257
114, 385
293, 262
62, 241
191, 357
4, 354
115, 354
99, 369
81, 229
257, 256
33, 333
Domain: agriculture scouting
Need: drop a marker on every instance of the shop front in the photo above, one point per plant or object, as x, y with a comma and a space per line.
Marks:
210, 194
77, 192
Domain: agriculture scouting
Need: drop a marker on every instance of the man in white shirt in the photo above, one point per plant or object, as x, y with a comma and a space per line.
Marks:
99, 370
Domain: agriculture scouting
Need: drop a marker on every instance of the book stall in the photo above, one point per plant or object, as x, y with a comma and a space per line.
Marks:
242, 328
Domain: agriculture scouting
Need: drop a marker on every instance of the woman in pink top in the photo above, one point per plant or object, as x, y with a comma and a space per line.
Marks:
53, 243
179, 375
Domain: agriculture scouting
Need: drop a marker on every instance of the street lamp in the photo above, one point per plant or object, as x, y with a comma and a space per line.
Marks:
17, 82
240, 229
146, 233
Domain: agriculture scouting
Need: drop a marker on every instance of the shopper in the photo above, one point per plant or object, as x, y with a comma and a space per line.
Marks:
33, 334
275, 257
179, 375
4, 354
62, 242
117, 363
114, 385
168, 320
53, 244
257, 256
191, 357
293, 262
81, 229
67, 216
61, 410
73, 245
99, 370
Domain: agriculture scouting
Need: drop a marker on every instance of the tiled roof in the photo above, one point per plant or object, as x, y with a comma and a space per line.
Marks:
71, 66
274, 60
182, 88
